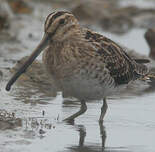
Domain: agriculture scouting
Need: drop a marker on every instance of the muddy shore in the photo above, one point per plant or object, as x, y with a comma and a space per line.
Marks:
31, 114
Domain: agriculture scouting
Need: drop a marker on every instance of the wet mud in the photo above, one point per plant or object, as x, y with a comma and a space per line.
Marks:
31, 113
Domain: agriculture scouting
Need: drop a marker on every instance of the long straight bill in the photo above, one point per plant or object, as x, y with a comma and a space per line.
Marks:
33, 56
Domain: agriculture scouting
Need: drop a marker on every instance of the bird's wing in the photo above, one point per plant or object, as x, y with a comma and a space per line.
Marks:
121, 66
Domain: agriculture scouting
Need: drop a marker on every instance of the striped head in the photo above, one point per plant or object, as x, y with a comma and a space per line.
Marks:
58, 27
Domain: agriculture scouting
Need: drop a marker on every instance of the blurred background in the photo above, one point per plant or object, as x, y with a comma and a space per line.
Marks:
31, 113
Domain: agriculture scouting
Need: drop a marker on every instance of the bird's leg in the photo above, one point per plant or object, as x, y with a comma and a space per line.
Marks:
103, 110
103, 134
80, 112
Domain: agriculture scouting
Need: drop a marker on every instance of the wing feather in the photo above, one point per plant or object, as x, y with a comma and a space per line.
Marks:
121, 66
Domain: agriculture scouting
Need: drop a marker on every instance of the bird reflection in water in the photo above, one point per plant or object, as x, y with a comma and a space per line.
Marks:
92, 147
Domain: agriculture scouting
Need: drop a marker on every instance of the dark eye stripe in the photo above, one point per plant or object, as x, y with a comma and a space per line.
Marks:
47, 18
56, 15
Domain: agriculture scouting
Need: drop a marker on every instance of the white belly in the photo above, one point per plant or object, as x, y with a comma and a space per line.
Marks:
85, 89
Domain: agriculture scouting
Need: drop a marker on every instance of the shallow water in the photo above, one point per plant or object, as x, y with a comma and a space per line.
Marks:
129, 125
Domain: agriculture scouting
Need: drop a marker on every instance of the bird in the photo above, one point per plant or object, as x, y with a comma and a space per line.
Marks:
83, 63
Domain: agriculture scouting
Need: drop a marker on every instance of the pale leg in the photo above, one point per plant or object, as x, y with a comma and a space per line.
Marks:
80, 112
103, 110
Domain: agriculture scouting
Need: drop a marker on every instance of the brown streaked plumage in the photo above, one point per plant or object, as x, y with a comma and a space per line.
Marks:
84, 64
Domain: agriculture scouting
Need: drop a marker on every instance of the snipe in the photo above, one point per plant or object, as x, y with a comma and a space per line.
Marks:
84, 64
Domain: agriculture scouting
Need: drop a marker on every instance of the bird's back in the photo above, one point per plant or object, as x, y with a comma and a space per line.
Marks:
122, 68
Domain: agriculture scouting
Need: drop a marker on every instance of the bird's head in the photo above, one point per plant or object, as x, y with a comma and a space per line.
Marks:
58, 26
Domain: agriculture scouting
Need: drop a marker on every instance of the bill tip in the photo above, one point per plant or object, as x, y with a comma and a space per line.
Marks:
7, 88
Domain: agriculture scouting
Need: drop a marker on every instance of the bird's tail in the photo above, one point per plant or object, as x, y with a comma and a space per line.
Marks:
149, 77
143, 71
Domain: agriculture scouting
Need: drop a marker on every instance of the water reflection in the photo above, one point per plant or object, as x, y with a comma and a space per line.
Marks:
83, 130
84, 146
91, 147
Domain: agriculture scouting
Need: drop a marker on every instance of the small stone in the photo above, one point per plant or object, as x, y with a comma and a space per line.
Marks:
8, 120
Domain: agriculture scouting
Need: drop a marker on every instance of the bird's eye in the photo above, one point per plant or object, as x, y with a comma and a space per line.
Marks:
62, 21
